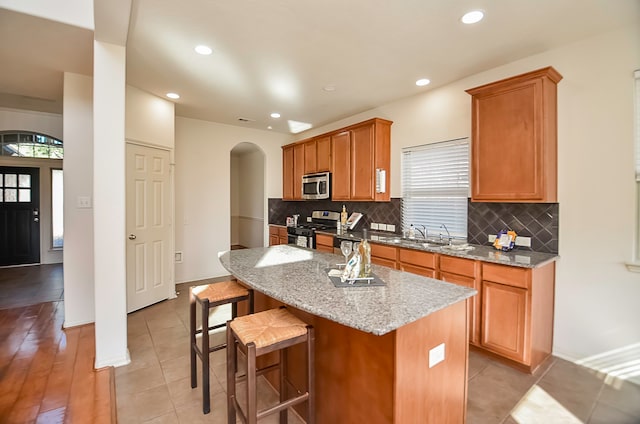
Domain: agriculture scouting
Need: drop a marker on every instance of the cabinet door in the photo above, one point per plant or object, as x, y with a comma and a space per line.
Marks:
362, 163
504, 316
310, 166
324, 243
273, 240
472, 303
341, 166
298, 170
323, 154
287, 173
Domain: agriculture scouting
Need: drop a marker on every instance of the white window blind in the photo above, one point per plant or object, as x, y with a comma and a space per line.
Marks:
435, 187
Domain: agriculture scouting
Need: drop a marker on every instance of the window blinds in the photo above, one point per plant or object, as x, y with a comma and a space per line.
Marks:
435, 187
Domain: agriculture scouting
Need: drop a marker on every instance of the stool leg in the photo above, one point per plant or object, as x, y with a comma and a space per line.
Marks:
206, 399
311, 381
234, 310
192, 337
252, 400
250, 301
283, 384
231, 376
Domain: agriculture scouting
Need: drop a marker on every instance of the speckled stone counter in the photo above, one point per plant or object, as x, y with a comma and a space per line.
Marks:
519, 258
298, 277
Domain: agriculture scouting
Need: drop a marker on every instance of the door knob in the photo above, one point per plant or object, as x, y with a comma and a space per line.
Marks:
132, 236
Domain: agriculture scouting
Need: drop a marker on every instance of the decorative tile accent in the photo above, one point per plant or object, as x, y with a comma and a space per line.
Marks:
380, 212
536, 220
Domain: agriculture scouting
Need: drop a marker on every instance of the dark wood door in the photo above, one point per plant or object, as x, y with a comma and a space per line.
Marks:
19, 216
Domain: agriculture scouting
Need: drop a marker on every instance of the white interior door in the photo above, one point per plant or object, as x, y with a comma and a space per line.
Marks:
149, 229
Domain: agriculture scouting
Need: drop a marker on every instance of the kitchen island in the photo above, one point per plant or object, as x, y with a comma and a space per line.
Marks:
373, 344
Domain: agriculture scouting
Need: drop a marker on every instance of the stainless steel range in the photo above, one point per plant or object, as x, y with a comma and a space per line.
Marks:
304, 234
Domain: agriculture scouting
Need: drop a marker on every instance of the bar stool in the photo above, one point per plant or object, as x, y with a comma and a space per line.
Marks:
209, 296
259, 334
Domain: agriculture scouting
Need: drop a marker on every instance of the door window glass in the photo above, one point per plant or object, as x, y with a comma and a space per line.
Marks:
10, 195
10, 180
24, 181
24, 195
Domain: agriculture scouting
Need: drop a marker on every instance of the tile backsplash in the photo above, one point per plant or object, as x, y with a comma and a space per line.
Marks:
379, 212
536, 220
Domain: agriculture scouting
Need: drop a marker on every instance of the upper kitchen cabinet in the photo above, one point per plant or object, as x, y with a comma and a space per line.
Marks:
293, 161
360, 161
514, 139
317, 155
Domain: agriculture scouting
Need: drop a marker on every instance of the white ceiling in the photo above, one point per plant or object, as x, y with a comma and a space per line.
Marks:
276, 56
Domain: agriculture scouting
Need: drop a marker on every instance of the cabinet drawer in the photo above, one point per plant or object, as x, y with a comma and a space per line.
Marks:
416, 257
420, 270
384, 252
509, 275
391, 263
324, 240
458, 266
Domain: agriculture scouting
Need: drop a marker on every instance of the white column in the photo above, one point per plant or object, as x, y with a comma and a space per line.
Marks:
109, 204
79, 307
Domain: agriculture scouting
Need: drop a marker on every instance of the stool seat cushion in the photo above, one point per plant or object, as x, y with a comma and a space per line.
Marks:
217, 292
268, 327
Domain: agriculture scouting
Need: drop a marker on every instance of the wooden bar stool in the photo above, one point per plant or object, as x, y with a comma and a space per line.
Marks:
258, 334
209, 296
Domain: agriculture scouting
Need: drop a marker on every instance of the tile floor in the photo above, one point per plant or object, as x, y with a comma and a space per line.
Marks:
155, 387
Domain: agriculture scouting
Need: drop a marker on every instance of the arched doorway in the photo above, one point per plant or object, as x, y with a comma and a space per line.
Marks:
247, 196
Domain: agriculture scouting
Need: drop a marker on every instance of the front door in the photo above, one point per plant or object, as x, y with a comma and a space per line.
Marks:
19, 216
149, 229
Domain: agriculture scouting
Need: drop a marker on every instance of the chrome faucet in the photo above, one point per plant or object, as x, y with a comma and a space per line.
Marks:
447, 230
424, 236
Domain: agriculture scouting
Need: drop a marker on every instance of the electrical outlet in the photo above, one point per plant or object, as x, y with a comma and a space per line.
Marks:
374, 226
391, 227
436, 355
309, 219
523, 241
83, 202
492, 238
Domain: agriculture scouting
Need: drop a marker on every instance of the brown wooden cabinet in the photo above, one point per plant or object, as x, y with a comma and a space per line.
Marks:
357, 153
417, 262
514, 139
278, 235
384, 255
464, 272
323, 154
293, 162
324, 243
310, 157
517, 313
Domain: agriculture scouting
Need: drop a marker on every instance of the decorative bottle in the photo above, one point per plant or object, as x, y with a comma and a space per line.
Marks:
365, 255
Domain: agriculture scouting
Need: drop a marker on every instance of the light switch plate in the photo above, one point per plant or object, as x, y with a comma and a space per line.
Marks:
178, 257
436, 355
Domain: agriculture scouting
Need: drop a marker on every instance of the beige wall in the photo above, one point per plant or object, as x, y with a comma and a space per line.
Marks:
203, 200
596, 297
247, 198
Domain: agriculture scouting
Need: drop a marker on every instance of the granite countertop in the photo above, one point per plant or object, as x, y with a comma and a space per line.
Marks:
519, 258
298, 277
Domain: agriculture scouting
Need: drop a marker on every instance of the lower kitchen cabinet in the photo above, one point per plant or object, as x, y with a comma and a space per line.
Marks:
464, 272
417, 262
324, 243
383, 255
278, 235
517, 313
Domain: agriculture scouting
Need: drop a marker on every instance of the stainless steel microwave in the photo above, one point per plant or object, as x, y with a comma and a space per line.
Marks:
316, 186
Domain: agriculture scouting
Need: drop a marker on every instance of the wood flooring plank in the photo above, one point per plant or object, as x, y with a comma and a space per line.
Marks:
82, 395
59, 385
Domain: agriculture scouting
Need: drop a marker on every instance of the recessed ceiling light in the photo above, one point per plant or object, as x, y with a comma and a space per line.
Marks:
269, 127
422, 82
275, 115
329, 88
173, 95
204, 50
472, 17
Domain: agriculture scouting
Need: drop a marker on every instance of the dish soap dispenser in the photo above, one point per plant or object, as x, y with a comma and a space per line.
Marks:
412, 232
